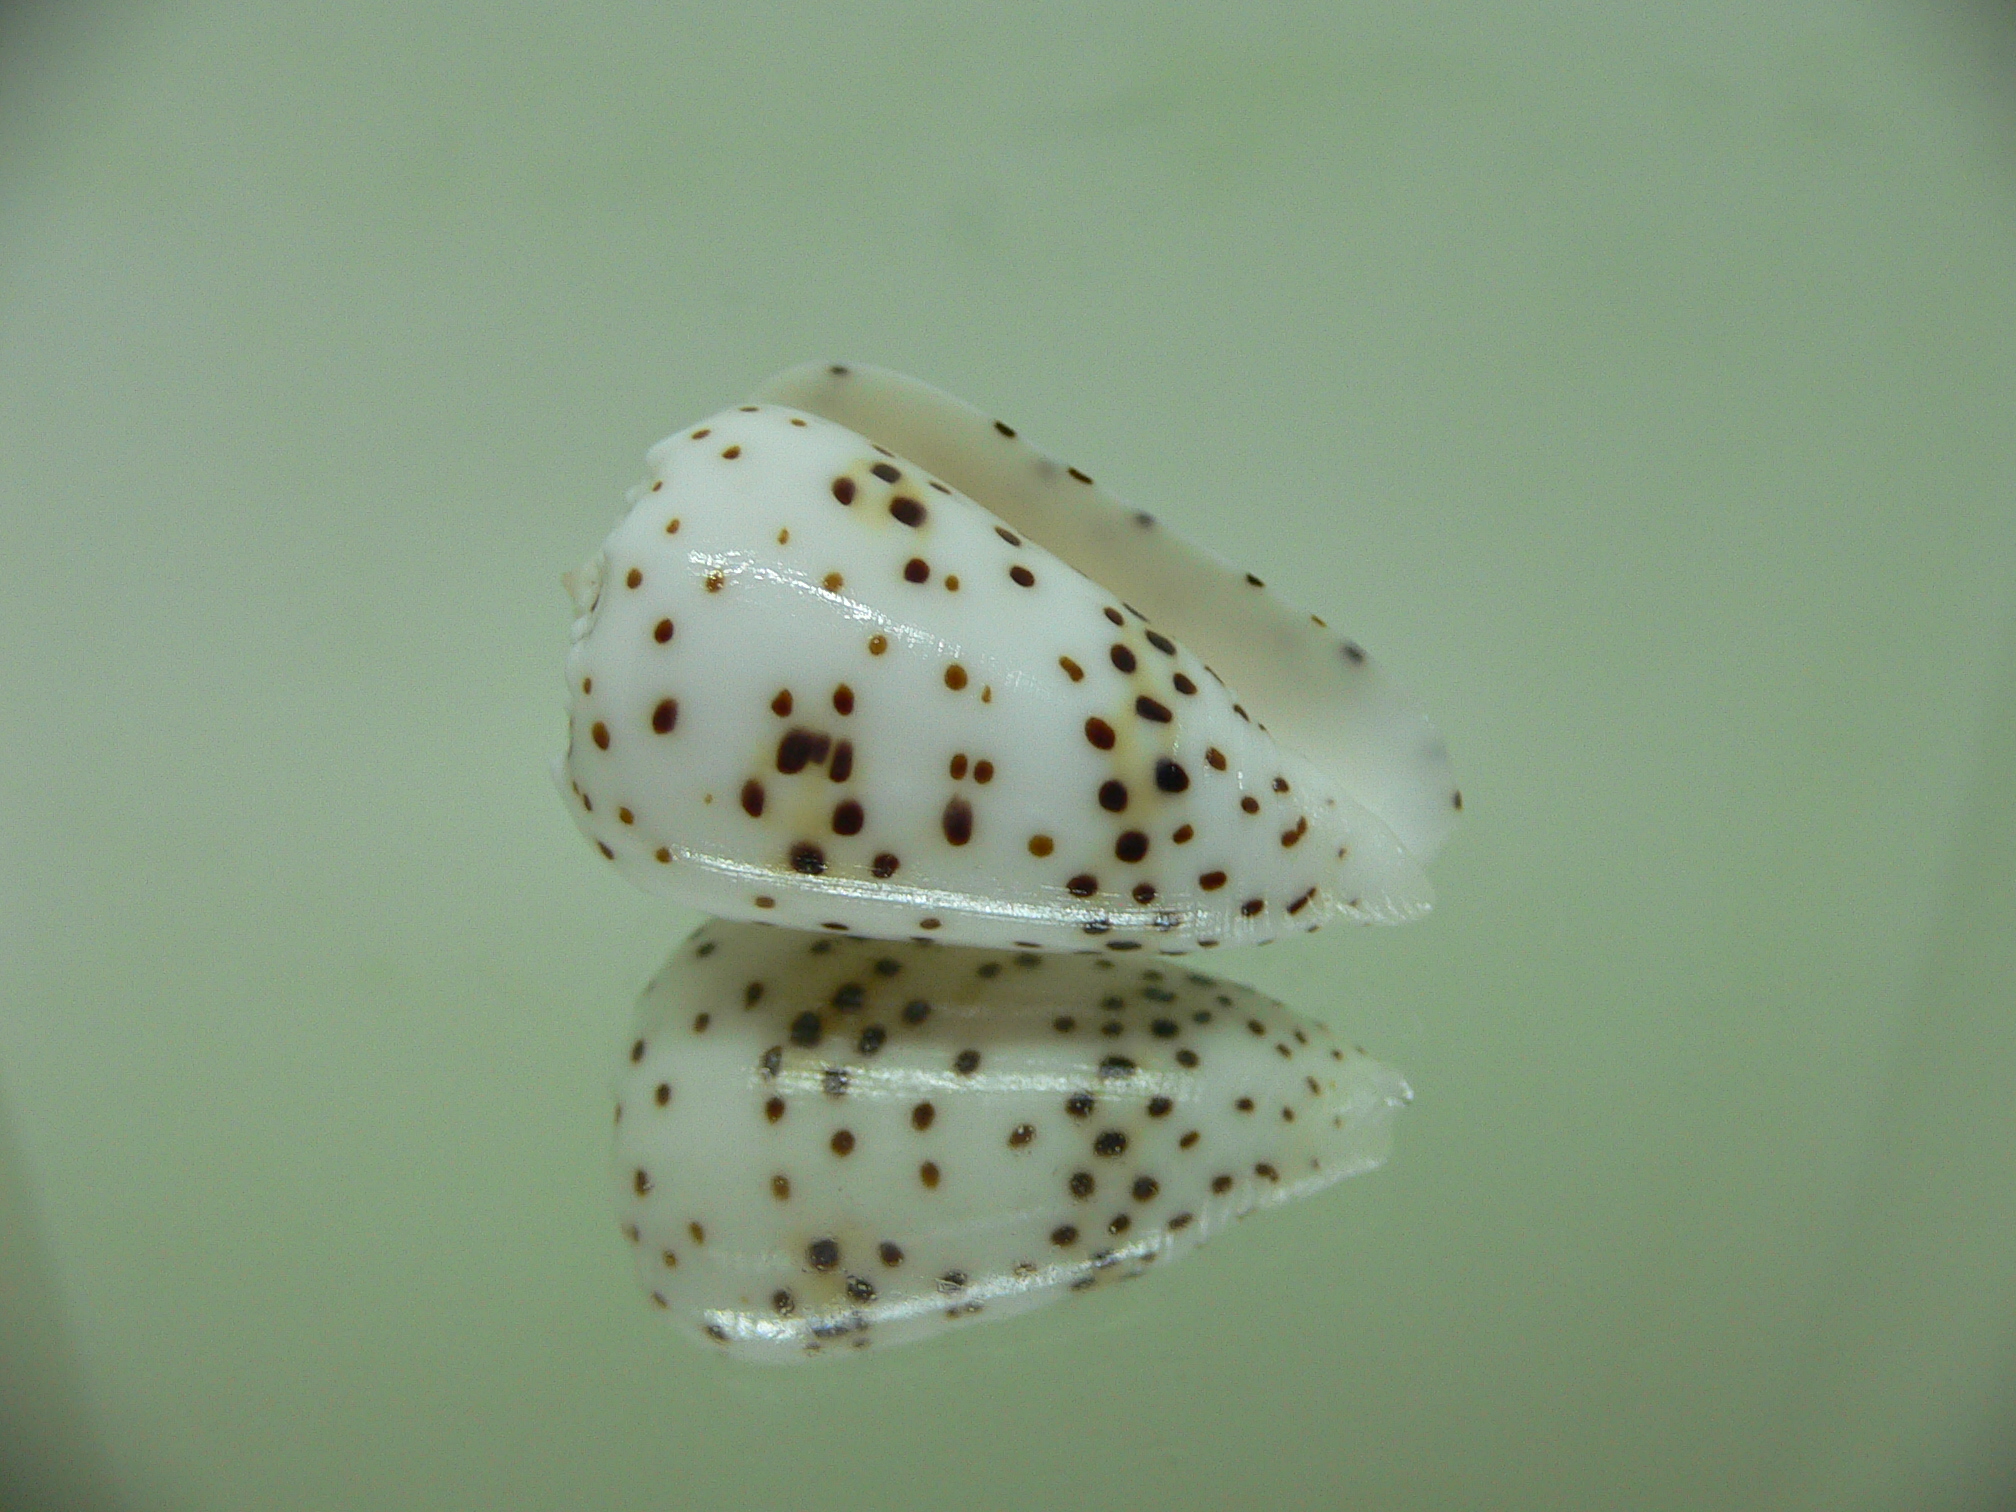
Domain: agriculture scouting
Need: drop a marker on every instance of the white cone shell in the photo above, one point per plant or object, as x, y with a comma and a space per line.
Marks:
975, 801
825, 1145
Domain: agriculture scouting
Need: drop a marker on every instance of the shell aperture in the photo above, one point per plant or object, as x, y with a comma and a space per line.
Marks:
825, 1144
816, 684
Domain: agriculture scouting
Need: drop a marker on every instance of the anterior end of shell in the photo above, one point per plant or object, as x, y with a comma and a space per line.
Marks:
824, 1146
821, 687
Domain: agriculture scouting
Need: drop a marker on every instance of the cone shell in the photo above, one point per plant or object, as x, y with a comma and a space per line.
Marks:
815, 684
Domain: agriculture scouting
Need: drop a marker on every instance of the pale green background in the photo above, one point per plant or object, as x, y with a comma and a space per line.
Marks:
1638, 380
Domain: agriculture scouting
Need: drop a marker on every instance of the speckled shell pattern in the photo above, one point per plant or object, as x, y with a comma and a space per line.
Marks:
815, 685
825, 1145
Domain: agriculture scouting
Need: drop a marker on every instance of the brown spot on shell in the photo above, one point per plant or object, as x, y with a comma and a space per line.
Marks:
800, 748
957, 821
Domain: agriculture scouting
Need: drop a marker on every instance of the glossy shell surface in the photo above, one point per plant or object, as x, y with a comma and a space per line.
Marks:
815, 684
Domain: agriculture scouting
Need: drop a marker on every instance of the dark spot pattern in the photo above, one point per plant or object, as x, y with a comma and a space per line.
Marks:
957, 821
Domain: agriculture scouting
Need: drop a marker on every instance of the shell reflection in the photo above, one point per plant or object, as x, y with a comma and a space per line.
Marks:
824, 1144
